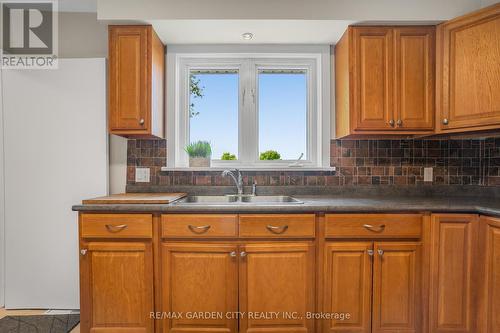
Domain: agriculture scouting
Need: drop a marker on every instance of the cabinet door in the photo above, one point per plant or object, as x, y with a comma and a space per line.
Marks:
199, 278
277, 287
116, 282
396, 288
129, 70
469, 70
348, 286
453, 264
414, 77
489, 319
373, 78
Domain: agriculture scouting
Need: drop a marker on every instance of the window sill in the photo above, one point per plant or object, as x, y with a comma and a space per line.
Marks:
252, 169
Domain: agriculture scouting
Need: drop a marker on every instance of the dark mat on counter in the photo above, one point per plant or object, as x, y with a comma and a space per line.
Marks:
39, 324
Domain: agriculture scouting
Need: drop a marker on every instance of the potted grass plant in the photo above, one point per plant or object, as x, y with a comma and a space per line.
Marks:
199, 153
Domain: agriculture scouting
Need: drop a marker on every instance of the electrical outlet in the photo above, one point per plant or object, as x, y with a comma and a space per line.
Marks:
142, 175
428, 174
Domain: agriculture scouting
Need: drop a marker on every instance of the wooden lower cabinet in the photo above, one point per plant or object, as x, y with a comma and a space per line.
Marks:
489, 293
396, 288
199, 278
129, 270
453, 269
348, 286
270, 284
377, 285
116, 287
277, 279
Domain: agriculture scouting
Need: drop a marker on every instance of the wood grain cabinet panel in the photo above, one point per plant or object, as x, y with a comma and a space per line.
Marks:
373, 226
136, 80
384, 81
277, 225
453, 273
116, 226
277, 278
373, 78
396, 290
199, 278
469, 71
116, 281
414, 77
489, 306
199, 225
348, 287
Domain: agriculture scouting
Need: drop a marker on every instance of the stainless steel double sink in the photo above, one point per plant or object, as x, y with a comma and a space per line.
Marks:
238, 200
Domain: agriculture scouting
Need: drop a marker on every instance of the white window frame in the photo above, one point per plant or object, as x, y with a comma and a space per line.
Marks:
248, 66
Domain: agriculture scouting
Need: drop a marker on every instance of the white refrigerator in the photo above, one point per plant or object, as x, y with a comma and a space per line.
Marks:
55, 153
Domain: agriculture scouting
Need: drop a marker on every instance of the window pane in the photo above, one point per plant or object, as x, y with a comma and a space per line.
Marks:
214, 110
283, 113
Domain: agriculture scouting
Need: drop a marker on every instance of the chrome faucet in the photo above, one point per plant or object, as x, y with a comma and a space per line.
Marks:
238, 179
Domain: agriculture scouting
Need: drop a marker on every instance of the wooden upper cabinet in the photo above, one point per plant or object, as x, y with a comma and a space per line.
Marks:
396, 288
136, 81
384, 80
348, 286
116, 283
469, 72
372, 78
414, 78
453, 273
277, 278
489, 306
199, 278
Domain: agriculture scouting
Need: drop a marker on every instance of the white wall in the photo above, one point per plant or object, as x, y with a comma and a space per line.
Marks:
82, 36
2, 203
55, 156
486, 3
117, 164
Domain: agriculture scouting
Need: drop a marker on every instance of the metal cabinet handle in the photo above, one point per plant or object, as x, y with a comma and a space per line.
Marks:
399, 123
243, 254
373, 228
141, 122
445, 121
83, 252
370, 253
200, 229
380, 252
391, 122
232, 254
277, 230
116, 228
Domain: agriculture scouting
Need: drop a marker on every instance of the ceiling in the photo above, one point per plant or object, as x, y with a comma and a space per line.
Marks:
264, 31
271, 21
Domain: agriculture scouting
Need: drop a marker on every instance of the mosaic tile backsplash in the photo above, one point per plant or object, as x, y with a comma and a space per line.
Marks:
358, 162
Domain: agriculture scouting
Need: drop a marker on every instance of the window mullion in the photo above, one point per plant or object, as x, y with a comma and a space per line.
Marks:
253, 113
246, 135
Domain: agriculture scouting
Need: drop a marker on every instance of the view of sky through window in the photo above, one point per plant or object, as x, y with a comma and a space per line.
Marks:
214, 115
283, 113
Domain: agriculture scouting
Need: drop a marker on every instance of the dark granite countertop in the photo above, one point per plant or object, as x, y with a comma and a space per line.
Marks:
323, 203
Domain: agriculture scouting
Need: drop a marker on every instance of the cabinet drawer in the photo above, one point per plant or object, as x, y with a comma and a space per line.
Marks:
277, 226
116, 226
373, 225
198, 225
